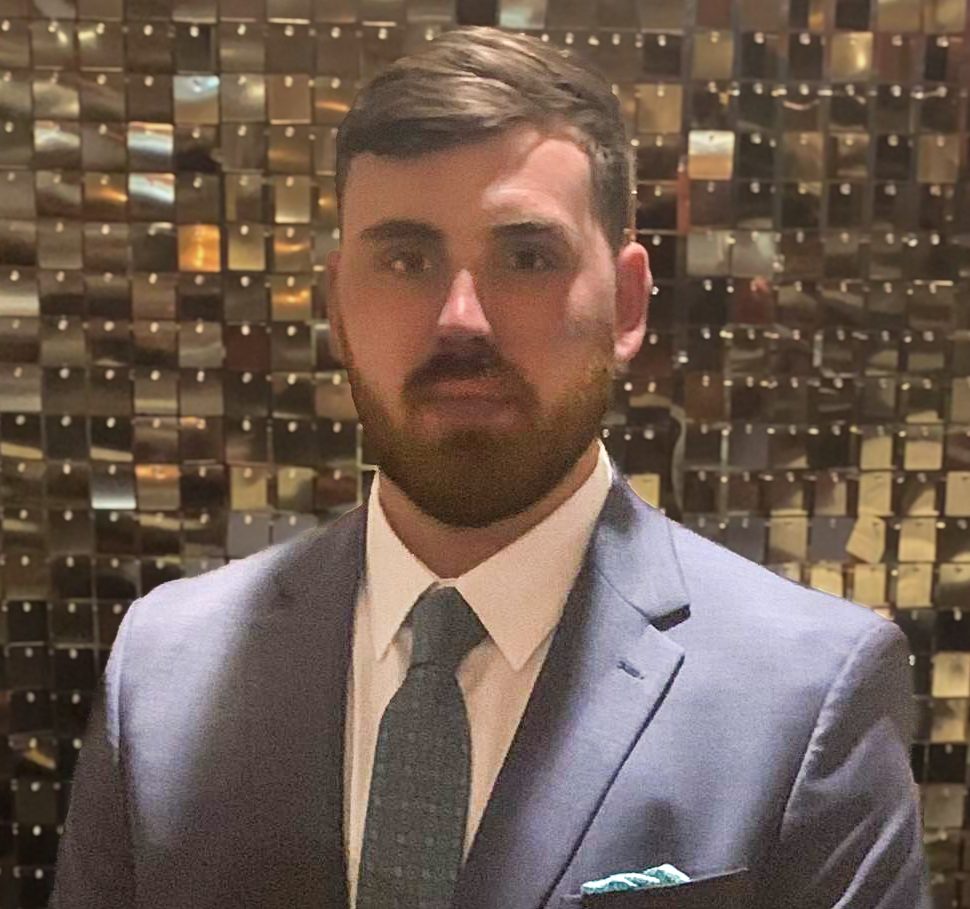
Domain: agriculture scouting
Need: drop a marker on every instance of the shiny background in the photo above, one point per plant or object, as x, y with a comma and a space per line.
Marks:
167, 400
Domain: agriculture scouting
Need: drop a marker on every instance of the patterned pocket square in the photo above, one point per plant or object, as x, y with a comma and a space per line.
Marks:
660, 876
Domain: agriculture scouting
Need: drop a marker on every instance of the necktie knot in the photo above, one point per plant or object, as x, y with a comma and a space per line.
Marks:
445, 629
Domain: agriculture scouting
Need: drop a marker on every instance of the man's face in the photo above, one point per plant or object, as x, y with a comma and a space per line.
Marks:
482, 262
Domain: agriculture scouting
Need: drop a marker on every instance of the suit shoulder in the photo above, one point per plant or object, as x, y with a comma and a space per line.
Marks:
733, 586
235, 590
793, 638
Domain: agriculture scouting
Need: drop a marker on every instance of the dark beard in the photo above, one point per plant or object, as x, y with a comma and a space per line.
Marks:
473, 477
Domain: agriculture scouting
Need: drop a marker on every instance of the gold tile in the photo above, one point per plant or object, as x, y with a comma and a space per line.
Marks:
851, 55
898, 15
248, 488
659, 108
875, 492
246, 247
199, 247
951, 675
827, 577
713, 55
867, 541
949, 720
957, 503
711, 155
917, 540
869, 584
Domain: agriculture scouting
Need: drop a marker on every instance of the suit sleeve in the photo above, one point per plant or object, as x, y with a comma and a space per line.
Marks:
95, 867
851, 836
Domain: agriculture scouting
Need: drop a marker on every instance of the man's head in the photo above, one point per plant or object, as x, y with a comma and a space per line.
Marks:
483, 188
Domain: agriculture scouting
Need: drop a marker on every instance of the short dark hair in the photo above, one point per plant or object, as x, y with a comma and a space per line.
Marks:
474, 82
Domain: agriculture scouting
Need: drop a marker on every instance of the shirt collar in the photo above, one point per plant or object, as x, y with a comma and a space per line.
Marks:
518, 593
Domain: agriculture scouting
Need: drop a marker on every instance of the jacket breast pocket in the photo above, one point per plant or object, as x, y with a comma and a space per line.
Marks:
727, 890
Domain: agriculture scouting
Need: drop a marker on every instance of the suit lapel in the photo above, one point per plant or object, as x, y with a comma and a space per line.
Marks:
297, 708
607, 670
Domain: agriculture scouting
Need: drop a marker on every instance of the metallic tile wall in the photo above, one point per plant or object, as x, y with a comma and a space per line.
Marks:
167, 400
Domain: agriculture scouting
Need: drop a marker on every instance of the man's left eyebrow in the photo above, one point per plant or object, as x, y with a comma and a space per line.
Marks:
536, 228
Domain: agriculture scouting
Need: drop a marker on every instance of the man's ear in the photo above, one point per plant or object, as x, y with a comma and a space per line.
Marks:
634, 285
333, 306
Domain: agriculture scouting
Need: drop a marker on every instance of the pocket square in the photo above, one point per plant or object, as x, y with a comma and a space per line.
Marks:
660, 876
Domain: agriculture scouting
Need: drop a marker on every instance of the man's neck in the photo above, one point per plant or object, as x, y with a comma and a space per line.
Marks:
451, 551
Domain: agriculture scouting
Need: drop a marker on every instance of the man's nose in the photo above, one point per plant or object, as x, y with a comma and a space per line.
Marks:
462, 311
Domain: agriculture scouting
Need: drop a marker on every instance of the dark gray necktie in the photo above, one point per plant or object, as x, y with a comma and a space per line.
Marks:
417, 810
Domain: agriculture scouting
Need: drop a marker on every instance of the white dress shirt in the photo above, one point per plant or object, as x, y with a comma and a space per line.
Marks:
518, 594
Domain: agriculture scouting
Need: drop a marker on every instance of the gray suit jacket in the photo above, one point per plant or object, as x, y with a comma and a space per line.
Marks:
694, 708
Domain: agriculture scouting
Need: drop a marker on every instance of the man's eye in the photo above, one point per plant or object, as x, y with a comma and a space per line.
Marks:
407, 263
531, 260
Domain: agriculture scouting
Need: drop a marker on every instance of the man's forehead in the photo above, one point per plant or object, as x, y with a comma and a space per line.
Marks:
518, 169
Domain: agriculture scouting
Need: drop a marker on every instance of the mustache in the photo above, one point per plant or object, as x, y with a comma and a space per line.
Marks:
445, 366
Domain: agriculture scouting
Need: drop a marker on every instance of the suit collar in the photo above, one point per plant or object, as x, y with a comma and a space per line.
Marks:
518, 593
633, 548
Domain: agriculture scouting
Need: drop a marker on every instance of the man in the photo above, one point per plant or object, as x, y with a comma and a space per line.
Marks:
505, 675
